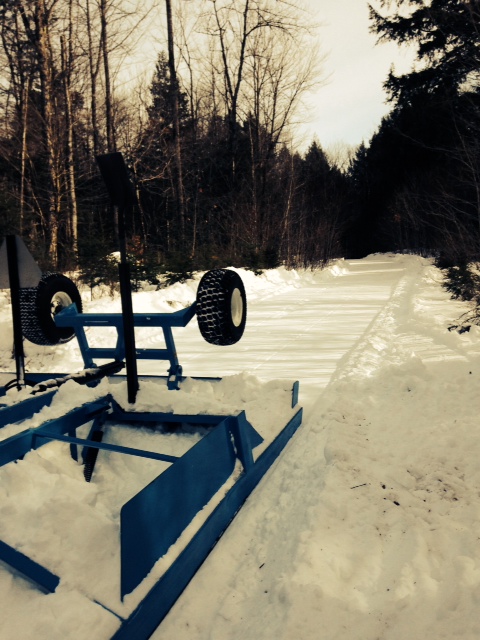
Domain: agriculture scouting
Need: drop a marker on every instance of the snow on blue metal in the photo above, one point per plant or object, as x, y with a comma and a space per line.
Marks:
154, 519
25, 409
42, 577
163, 595
18, 445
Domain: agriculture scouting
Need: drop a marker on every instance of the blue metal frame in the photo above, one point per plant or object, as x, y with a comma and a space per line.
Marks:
151, 521
154, 519
156, 516
71, 318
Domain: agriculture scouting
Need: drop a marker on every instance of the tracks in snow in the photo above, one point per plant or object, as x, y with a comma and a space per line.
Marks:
300, 334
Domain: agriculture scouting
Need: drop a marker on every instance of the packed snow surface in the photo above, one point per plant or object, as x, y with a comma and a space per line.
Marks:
366, 527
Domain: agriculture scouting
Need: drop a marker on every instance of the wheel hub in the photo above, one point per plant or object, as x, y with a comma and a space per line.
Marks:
59, 302
237, 307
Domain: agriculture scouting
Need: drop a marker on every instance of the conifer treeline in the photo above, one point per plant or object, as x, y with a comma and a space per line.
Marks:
419, 180
215, 181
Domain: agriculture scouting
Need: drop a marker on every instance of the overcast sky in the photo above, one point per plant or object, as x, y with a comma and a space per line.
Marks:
350, 106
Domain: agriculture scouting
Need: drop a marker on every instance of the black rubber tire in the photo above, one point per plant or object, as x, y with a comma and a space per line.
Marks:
221, 307
39, 305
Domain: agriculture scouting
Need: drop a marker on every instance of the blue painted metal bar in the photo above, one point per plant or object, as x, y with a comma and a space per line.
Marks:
18, 445
15, 447
295, 391
119, 414
92, 444
245, 438
110, 353
71, 420
25, 409
42, 577
175, 371
84, 348
69, 317
158, 602
141, 416
153, 354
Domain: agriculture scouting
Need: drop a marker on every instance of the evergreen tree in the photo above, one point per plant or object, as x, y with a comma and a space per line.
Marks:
155, 165
160, 111
446, 34
325, 193
419, 179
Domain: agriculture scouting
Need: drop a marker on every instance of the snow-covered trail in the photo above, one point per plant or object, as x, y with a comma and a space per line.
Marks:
301, 334
305, 557
302, 331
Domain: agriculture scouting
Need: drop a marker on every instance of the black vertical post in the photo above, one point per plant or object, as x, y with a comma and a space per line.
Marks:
115, 175
14, 281
127, 312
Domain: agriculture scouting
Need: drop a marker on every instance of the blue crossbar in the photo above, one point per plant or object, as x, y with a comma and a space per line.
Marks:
42, 577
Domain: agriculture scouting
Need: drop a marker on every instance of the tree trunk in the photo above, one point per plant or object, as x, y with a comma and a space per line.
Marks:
109, 117
178, 177
23, 154
70, 159
93, 66
40, 40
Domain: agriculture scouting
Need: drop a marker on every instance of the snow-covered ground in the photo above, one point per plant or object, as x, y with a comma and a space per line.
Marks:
368, 524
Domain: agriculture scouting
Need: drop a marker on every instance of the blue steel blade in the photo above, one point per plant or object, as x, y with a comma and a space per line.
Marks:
154, 519
29, 568
159, 600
